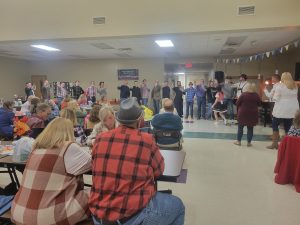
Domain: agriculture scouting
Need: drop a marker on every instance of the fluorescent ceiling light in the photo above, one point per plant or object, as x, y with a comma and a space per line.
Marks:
45, 47
164, 43
179, 73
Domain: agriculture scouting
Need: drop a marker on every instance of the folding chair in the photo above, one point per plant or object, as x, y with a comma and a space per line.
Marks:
174, 134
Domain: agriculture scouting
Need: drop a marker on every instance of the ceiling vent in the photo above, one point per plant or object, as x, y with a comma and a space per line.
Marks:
125, 49
227, 51
78, 56
98, 20
123, 55
235, 41
102, 46
248, 10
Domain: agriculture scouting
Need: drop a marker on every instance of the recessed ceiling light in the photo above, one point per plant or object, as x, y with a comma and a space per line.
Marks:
45, 47
164, 43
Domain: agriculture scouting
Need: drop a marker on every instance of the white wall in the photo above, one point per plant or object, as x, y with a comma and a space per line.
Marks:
13, 76
99, 70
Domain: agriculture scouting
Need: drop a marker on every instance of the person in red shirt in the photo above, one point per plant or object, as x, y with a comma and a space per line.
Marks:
125, 164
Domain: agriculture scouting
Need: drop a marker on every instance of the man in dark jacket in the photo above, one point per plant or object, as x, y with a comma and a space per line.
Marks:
124, 91
28, 90
136, 92
77, 90
166, 90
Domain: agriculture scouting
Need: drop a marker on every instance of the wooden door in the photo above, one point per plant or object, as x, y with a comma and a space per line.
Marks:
37, 82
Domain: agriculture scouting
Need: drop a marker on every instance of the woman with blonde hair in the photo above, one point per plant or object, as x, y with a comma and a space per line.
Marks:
93, 117
285, 107
52, 188
247, 115
82, 100
79, 134
107, 122
79, 113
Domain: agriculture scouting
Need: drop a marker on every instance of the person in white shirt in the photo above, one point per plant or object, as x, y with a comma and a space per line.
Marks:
276, 84
285, 107
241, 85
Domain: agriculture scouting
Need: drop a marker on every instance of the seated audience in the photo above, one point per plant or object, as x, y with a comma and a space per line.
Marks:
167, 122
125, 164
52, 188
93, 118
33, 105
82, 100
107, 122
103, 101
79, 113
25, 108
295, 128
37, 122
7, 120
79, 134
65, 102
54, 110
162, 110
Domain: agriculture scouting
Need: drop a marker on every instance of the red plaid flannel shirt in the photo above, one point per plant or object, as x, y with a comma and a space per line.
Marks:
125, 164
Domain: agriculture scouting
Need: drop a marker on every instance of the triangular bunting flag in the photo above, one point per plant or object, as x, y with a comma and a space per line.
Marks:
281, 50
238, 60
286, 47
251, 58
296, 44
268, 54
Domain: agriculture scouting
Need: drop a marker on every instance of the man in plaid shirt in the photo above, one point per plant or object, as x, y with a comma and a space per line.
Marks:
91, 92
125, 164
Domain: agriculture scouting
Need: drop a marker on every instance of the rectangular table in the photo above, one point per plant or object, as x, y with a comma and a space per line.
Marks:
7, 162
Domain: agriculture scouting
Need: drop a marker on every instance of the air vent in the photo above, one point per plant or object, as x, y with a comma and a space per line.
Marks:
102, 46
235, 41
123, 55
125, 49
99, 20
78, 56
227, 51
246, 10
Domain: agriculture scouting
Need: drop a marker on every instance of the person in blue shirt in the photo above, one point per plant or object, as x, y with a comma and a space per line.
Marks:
190, 93
167, 121
7, 120
201, 99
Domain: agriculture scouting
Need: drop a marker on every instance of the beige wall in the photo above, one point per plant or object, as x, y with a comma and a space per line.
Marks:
99, 70
13, 76
36, 19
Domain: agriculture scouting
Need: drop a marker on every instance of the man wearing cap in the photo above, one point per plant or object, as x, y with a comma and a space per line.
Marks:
125, 164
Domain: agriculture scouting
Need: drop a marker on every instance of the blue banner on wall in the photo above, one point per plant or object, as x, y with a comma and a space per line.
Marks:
128, 74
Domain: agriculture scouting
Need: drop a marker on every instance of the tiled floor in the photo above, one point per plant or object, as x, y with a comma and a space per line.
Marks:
228, 184
232, 185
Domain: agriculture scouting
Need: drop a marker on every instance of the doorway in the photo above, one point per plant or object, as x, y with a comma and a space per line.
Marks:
37, 84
